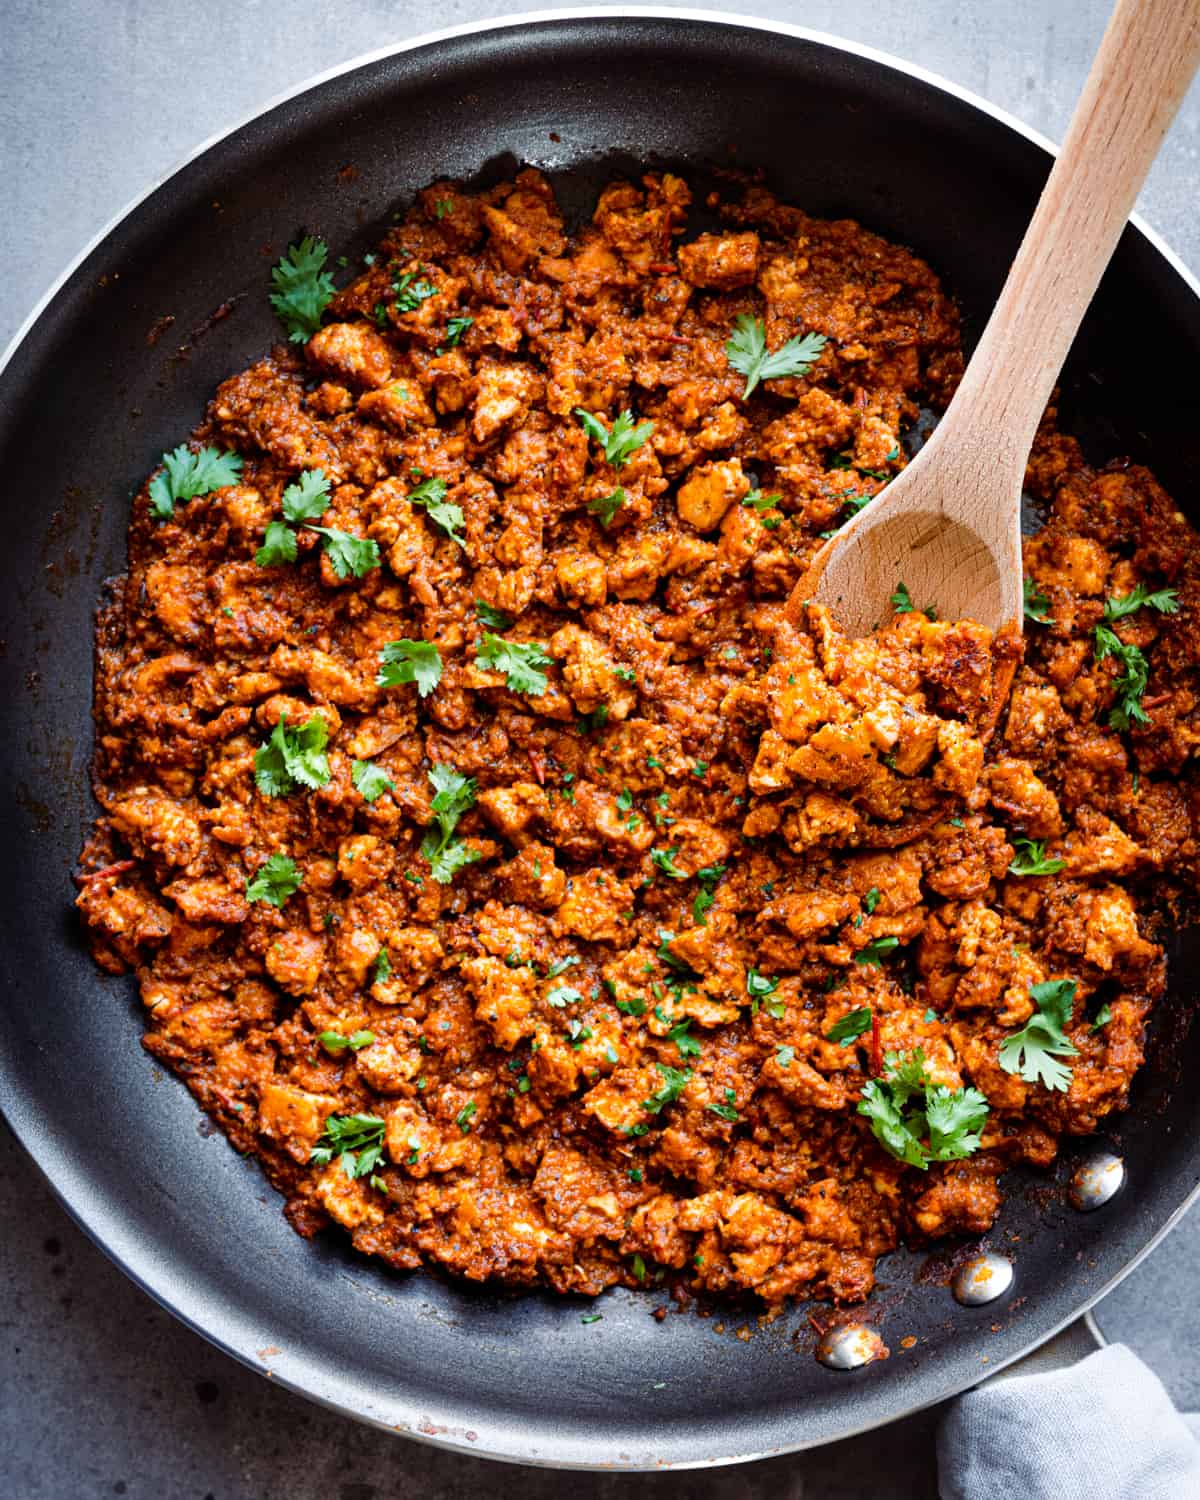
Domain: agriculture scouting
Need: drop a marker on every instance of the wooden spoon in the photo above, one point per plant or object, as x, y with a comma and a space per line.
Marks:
948, 526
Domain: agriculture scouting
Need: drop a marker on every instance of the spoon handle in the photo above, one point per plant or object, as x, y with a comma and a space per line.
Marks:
1149, 53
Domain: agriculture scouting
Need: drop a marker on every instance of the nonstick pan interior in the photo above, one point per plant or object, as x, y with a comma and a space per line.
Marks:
101, 385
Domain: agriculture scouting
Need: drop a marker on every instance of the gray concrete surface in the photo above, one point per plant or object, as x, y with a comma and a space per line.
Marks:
101, 1393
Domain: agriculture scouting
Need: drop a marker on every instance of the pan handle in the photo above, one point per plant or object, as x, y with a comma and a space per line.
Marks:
1067, 1347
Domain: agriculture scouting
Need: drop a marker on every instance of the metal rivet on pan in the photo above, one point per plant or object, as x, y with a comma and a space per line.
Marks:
982, 1279
849, 1347
1096, 1181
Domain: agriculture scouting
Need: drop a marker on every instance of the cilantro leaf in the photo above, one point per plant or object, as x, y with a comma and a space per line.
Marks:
381, 968
455, 328
1130, 684
1166, 601
874, 950
494, 619
606, 506
349, 555
410, 292
370, 780
675, 1080
1103, 1017
563, 995
356, 1141
689, 1046
188, 474
1033, 1051
1036, 603
902, 603
705, 899
889, 1127
761, 988
728, 1110
664, 860
410, 661
520, 661
453, 795
303, 288
619, 441
307, 499
850, 1027
293, 757
747, 353
918, 1121
1029, 858
431, 493
278, 546
956, 1118
334, 1041
761, 503
785, 1056
276, 879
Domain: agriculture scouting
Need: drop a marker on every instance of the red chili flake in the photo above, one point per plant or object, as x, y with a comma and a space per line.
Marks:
676, 338
538, 764
662, 267
876, 1047
1158, 700
117, 868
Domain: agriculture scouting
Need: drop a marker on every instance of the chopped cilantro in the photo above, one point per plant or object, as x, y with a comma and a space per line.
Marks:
664, 860
850, 1027
688, 1046
356, 1141
675, 1080
564, 995
455, 328
606, 506
619, 441
410, 292
728, 1110
874, 950
334, 1041
431, 494
494, 619
1036, 604
1029, 858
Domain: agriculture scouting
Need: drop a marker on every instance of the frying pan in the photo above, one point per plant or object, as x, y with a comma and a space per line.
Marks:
95, 388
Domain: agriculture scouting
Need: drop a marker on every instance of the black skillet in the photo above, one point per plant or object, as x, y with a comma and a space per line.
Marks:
98, 386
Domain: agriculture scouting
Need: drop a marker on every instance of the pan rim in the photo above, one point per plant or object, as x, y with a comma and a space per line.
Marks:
72, 1186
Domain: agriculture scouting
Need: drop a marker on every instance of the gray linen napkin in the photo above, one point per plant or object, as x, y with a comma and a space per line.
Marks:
1102, 1430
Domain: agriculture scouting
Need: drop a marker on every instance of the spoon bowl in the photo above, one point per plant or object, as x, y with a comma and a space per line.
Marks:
949, 526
